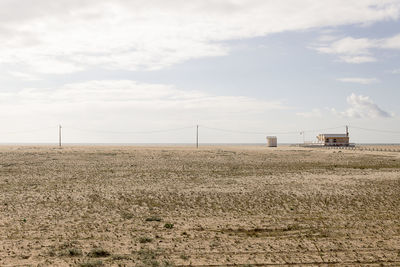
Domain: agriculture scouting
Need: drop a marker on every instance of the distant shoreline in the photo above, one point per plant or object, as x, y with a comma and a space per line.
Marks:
174, 144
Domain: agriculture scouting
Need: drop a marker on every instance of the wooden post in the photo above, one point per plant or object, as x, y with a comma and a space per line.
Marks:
197, 136
59, 135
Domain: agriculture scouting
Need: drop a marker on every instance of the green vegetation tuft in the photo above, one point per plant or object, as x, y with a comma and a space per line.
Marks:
169, 225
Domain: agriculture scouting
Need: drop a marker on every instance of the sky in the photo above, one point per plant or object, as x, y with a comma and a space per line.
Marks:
149, 71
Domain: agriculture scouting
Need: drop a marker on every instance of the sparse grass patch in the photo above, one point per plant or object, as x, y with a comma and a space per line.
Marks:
97, 263
127, 215
98, 253
120, 257
148, 257
169, 225
185, 234
52, 253
145, 239
153, 219
73, 252
148, 263
147, 254
184, 257
291, 227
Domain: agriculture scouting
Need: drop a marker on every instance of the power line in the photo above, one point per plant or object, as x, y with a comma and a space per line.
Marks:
129, 132
28, 131
325, 129
268, 132
196, 127
374, 130
228, 130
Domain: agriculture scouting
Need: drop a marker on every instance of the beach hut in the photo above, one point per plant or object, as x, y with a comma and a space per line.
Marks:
272, 141
334, 139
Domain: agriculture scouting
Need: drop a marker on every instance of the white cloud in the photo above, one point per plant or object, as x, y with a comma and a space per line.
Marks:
396, 71
110, 97
349, 46
69, 35
24, 76
359, 80
327, 38
357, 59
356, 51
363, 107
315, 113
123, 105
127, 93
391, 43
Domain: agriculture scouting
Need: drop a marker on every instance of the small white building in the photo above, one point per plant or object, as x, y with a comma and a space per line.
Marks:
334, 139
272, 141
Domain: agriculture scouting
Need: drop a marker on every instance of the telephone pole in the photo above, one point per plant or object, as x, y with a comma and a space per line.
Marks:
59, 135
197, 136
304, 138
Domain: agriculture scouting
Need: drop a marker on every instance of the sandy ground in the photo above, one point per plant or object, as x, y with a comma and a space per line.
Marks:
220, 206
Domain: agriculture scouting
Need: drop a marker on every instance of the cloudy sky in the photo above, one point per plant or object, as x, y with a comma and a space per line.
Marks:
126, 70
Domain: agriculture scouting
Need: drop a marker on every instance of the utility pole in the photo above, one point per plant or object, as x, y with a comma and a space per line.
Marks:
304, 138
59, 135
197, 136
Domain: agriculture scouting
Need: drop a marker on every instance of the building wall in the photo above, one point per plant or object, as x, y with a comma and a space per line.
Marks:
339, 140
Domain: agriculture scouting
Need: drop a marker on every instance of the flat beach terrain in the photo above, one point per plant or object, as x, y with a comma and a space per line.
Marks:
217, 205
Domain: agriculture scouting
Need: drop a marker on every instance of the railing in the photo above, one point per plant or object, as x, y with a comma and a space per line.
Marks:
321, 144
352, 146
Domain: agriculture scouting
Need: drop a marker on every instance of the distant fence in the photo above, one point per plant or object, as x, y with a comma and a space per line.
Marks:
387, 148
383, 148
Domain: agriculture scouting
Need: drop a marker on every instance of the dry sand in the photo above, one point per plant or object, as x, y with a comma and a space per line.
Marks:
171, 206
